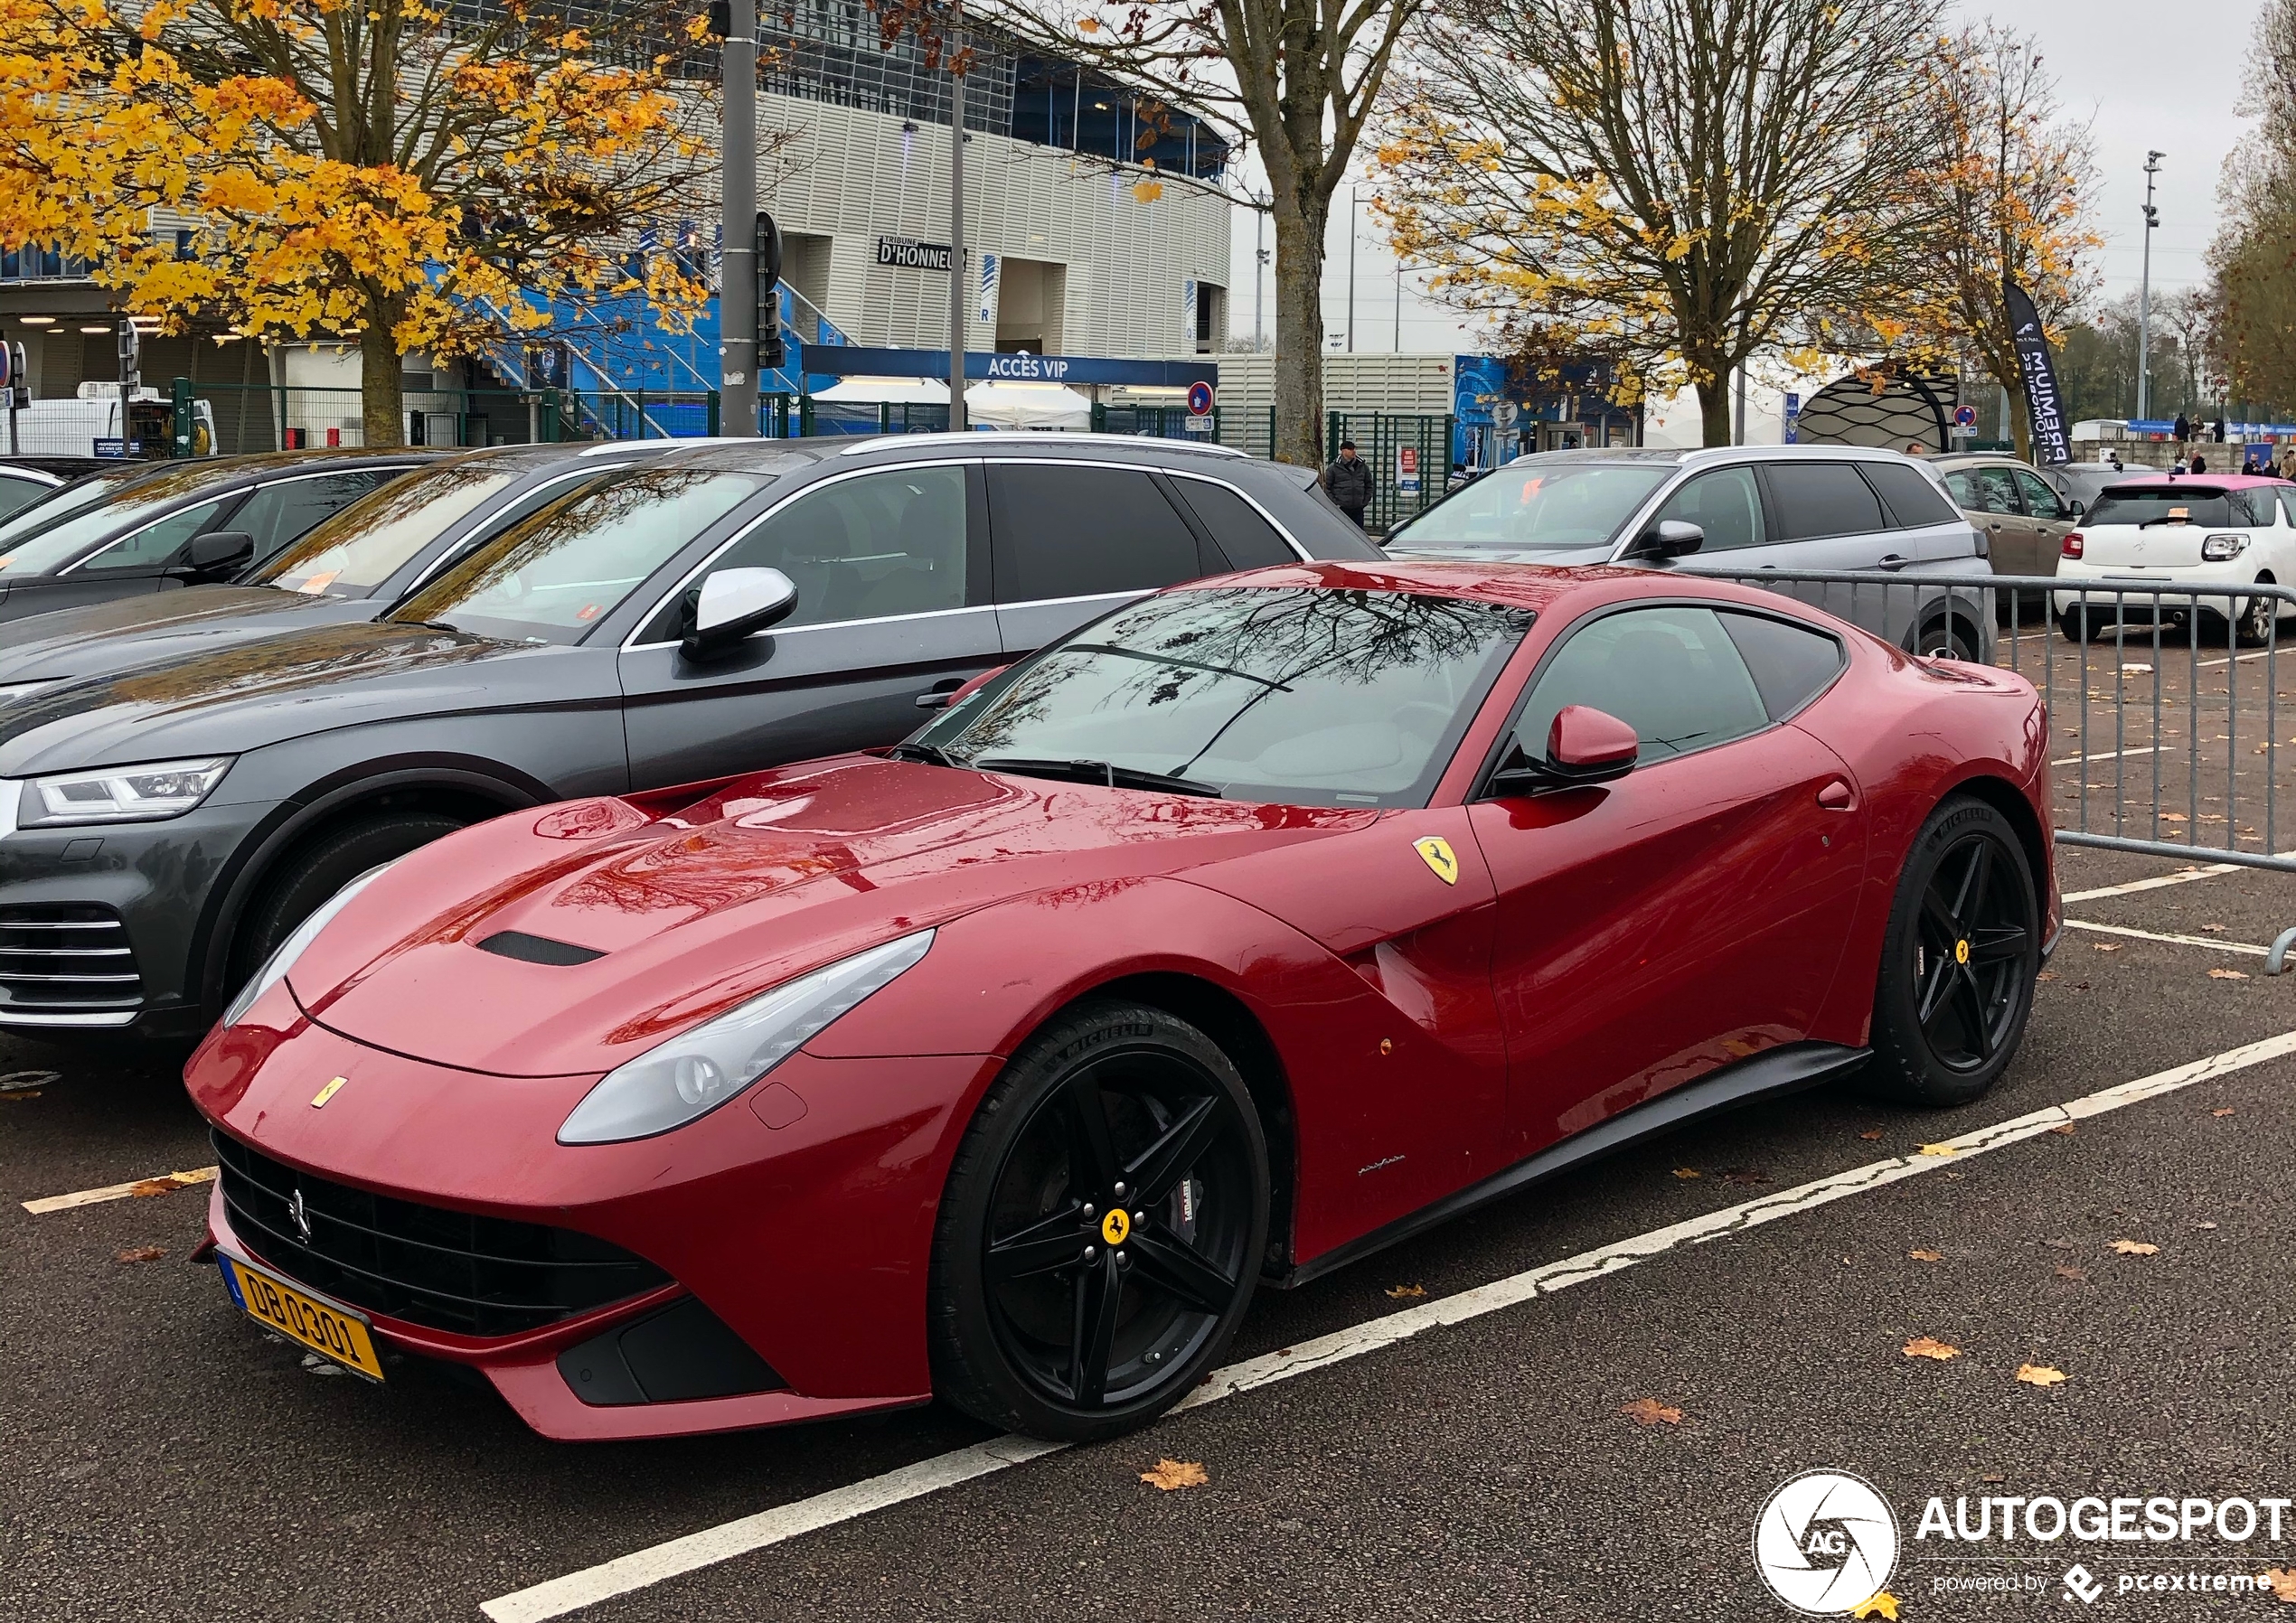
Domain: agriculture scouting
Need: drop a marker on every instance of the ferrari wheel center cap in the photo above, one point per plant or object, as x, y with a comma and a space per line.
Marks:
1116, 1226
1960, 952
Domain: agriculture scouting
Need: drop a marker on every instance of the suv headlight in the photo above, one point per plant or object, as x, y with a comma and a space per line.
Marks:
275, 968
690, 1076
148, 793
2217, 548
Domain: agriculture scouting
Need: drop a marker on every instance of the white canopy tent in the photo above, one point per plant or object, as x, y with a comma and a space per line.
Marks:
887, 391
1001, 405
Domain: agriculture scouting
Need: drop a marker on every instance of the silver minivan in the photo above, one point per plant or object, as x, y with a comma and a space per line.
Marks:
1737, 512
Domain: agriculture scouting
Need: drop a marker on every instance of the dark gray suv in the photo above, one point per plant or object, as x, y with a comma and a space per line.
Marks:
163, 828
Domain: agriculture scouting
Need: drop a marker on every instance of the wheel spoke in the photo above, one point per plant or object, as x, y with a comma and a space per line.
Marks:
1945, 930
1174, 1265
1970, 998
1994, 946
1092, 1156
1976, 879
1157, 1169
1933, 994
1054, 1242
1099, 1292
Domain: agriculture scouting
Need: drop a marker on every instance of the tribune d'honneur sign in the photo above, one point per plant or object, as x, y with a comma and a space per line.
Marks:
911, 253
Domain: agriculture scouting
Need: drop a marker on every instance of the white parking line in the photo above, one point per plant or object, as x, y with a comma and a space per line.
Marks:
650, 1566
2185, 877
2179, 941
2149, 749
166, 1182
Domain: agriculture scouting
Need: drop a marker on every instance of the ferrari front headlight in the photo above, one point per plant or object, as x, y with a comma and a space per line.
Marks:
691, 1074
151, 792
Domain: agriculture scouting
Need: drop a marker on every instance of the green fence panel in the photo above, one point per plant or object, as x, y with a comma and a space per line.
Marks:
1401, 449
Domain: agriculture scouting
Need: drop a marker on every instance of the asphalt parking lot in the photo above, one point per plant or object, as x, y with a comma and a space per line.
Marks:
1591, 1437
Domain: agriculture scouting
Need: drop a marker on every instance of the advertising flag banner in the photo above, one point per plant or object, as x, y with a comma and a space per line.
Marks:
2052, 438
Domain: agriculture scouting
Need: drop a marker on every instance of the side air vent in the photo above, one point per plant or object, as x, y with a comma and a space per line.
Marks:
536, 949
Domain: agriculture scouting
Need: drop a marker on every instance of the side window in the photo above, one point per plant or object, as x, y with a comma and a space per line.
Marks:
1080, 532
1964, 489
2251, 507
1911, 500
890, 542
18, 493
2040, 500
1725, 505
1672, 674
279, 515
155, 542
1995, 490
1789, 663
2287, 506
1817, 499
1250, 541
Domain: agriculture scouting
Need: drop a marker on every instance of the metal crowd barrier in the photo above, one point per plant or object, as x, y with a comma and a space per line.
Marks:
2174, 684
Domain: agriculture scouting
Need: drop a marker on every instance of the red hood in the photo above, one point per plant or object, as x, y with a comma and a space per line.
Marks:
764, 880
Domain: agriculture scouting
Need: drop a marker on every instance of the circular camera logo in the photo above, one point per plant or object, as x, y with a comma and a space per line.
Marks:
1825, 1542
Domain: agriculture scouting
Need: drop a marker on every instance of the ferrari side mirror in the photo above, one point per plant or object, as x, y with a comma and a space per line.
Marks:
1669, 538
1583, 746
730, 605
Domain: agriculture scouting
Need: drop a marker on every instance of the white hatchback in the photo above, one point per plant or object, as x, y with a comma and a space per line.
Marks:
2233, 530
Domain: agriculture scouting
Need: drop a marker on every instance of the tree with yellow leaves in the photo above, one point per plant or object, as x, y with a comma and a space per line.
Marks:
2008, 180
1669, 186
413, 175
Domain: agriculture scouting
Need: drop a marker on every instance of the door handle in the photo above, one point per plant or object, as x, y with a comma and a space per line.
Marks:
1893, 560
936, 696
1838, 796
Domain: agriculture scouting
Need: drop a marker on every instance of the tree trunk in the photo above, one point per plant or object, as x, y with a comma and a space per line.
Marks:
1714, 410
1298, 332
382, 392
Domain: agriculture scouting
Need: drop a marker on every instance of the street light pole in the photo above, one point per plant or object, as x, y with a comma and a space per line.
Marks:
2144, 292
1259, 266
955, 47
738, 228
1351, 270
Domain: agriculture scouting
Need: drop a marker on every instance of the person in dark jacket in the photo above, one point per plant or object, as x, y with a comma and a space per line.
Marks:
1347, 481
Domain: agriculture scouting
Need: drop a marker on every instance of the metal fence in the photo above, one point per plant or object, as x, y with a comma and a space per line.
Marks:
1409, 457
2163, 698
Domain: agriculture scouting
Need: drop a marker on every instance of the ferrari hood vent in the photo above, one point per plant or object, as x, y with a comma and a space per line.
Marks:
536, 949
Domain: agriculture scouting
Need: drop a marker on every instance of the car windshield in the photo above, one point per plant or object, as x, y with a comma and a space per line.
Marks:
1536, 503
552, 577
352, 552
23, 539
1307, 696
2196, 504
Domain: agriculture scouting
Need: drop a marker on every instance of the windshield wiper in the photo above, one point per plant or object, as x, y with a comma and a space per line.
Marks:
1096, 772
932, 754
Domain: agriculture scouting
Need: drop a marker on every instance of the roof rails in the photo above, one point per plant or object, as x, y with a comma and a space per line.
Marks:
1064, 438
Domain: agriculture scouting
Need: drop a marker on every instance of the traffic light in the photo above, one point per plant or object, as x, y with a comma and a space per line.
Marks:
772, 354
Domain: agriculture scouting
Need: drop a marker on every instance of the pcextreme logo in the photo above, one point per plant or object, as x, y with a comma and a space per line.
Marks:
1826, 1542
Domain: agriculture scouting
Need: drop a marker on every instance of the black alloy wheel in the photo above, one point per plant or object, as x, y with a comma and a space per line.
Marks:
1103, 1227
1956, 983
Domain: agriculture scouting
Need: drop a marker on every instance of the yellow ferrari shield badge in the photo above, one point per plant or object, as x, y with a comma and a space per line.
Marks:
1435, 851
328, 1093
1116, 1226
1960, 952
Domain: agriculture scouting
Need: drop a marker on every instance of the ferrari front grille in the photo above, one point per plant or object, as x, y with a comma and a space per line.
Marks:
66, 958
427, 1265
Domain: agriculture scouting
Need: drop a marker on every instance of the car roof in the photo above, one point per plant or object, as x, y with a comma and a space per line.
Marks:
2225, 482
1539, 587
1702, 456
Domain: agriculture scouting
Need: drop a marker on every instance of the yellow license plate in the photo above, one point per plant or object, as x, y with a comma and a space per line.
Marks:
326, 1328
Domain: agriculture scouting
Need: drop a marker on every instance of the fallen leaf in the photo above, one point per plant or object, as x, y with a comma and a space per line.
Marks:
1929, 1347
2134, 1248
2067, 1270
26, 1081
2283, 1582
1881, 1603
1171, 1474
1649, 1412
2214, 929
141, 1253
155, 1186
1870, 1136
2227, 974
1745, 1174
2225, 1112
2066, 1128
2046, 975
1403, 1292
2039, 1374
1926, 1256
2106, 946
1993, 1476
1938, 1150
1687, 1172
2204, 1225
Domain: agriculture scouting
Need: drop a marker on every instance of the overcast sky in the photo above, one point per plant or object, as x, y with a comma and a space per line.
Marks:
2144, 76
